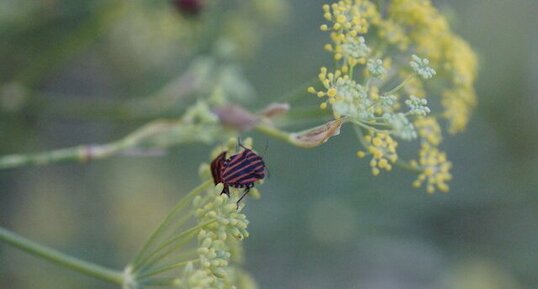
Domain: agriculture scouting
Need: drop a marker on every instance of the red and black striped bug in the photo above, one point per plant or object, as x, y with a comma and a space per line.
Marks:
239, 171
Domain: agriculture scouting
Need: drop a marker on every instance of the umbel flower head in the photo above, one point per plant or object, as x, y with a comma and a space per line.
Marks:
199, 245
392, 60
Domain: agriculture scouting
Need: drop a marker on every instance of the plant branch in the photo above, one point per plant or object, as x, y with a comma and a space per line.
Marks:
158, 134
275, 133
60, 258
399, 86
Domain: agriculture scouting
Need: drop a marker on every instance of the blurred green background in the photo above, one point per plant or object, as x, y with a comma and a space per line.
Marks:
323, 220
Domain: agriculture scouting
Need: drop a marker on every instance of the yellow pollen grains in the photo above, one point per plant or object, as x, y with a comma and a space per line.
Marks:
383, 150
331, 92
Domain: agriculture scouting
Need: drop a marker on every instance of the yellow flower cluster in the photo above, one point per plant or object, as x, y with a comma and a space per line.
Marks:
429, 130
386, 97
434, 167
348, 20
383, 150
418, 25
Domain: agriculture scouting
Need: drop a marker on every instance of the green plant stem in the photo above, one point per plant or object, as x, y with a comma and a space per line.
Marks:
306, 114
179, 240
85, 153
275, 133
167, 268
399, 86
149, 132
154, 136
167, 281
61, 259
407, 166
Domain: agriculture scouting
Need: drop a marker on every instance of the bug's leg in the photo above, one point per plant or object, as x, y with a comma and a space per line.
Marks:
226, 190
244, 194
268, 173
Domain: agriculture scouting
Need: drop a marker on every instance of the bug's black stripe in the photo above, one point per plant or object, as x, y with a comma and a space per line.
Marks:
248, 179
242, 169
229, 170
241, 173
236, 158
242, 156
241, 162
254, 170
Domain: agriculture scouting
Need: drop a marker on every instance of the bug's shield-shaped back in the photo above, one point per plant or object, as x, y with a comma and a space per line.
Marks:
243, 169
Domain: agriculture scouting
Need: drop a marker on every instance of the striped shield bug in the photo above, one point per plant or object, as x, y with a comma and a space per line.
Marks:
241, 170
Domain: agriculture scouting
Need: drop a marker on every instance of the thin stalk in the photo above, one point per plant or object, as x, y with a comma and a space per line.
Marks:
171, 241
167, 268
60, 258
402, 84
167, 281
360, 136
274, 132
407, 166
150, 262
85, 153
179, 206
80, 153
367, 127
304, 114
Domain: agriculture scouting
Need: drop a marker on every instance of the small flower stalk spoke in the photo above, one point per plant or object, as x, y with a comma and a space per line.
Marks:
387, 60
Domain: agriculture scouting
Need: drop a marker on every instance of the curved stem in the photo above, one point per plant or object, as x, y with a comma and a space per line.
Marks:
402, 84
84, 153
179, 241
276, 133
165, 282
60, 258
167, 268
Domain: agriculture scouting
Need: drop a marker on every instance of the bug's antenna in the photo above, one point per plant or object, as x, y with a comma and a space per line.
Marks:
240, 144
265, 155
266, 147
